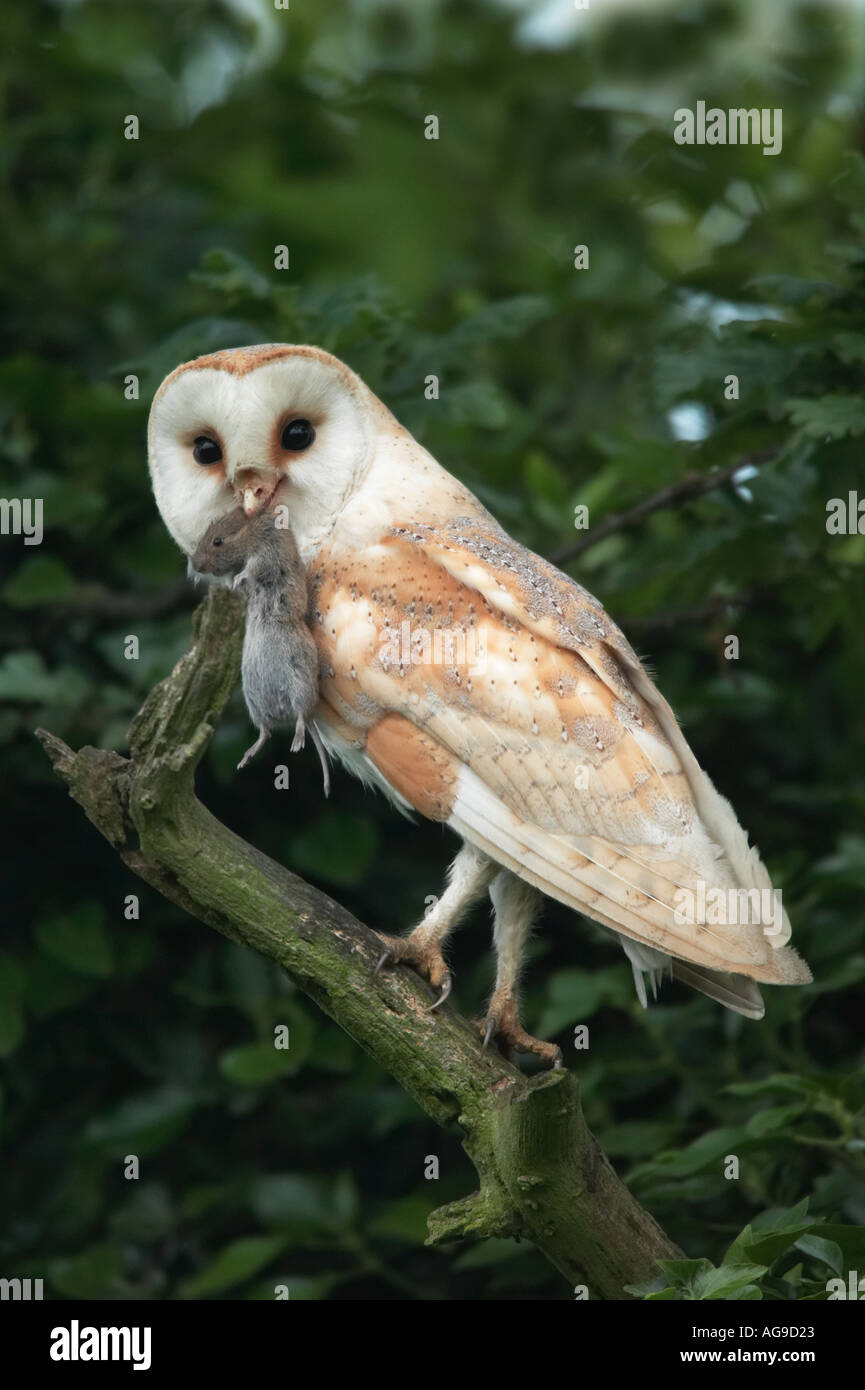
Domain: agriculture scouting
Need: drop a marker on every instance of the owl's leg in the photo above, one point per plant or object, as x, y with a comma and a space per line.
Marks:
469, 877
516, 905
263, 736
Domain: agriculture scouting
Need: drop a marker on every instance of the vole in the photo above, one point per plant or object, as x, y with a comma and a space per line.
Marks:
280, 658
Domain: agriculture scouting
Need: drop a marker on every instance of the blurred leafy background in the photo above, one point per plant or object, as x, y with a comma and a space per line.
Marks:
408, 257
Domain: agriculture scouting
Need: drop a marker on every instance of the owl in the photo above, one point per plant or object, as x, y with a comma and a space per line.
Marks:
476, 685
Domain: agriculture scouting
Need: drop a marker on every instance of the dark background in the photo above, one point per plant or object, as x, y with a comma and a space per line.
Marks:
408, 257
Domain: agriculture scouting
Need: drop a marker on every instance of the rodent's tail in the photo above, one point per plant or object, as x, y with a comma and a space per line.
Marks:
316, 738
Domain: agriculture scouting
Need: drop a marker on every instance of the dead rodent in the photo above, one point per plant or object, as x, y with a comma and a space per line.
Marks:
280, 658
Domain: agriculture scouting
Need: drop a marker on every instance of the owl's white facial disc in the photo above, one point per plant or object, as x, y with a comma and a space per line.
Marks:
241, 402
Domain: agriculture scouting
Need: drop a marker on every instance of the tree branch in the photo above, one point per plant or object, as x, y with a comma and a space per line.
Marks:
99, 601
542, 1174
691, 486
682, 617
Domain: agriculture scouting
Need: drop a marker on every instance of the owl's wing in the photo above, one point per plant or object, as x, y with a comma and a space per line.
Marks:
542, 740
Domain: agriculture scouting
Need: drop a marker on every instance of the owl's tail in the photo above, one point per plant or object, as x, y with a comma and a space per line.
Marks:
735, 992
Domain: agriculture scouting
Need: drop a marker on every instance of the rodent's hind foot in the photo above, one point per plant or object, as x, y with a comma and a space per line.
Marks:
299, 740
263, 736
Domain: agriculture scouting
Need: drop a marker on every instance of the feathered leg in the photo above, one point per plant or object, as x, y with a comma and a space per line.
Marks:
469, 877
516, 905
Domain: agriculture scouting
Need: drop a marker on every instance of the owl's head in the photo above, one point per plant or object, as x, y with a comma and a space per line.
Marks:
259, 427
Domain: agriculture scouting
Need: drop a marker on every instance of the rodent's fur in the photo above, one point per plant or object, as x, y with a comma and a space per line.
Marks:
280, 666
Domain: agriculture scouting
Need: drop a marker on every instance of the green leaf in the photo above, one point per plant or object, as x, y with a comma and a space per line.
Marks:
574, 996
337, 848
637, 1138
233, 1265
147, 1215
850, 347
683, 1274
142, 1124
230, 275
480, 403
794, 290
770, 1235
95, 1273
500, 320
293, 1202
258, 1064
40, 580
850, 186
24, 677
780, 1081
492, 1252
831, 416
850, 1239
345, 1200
250, 979
709, 1148
79, 939
548, 489
774, 1118
827, 1251
51, 987
404, 1220
727, 1281
648, 1288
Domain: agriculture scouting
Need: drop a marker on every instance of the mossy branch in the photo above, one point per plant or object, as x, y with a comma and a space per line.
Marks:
542, 1175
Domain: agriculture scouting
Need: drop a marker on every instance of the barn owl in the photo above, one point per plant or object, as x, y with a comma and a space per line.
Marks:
475, 684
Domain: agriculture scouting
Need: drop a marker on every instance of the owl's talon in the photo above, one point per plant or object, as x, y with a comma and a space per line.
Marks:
383, 960
423, 955
446, 989
502, 1024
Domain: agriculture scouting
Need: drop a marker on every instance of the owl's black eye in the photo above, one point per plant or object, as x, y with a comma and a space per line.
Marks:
297, 435
206, 450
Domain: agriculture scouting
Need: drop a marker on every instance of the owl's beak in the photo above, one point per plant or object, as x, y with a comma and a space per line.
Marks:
254, 489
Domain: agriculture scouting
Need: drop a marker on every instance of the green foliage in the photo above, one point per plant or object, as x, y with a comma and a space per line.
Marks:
763, 1262
151, 1037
